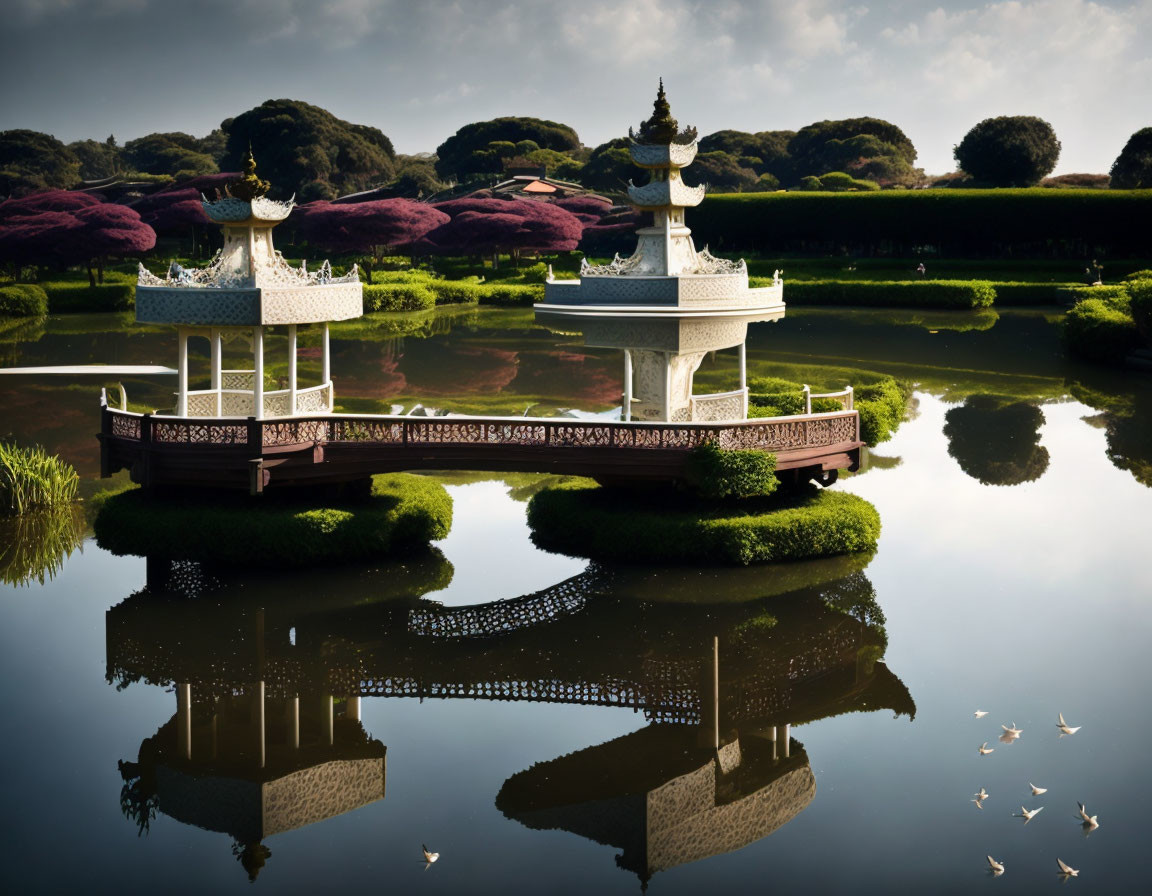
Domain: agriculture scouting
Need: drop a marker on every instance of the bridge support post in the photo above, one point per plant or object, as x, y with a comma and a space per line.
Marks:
743, 349
294, 723
352, 709
325, 357
258, 721
786, 736
326, 711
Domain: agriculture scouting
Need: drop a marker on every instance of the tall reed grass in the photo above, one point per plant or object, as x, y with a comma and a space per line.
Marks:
31, 479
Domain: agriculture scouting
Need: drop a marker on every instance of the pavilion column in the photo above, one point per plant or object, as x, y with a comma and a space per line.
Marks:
627, 385
326, 718
786, 736
292, 368
716, 693
184, 720
325, 363
182, 368
217, 365
744, 375
668, 387
294, 723
258, 375
772, 737
352, 709
258, 721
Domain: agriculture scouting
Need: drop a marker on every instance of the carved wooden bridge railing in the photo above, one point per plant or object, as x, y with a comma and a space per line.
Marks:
776, 433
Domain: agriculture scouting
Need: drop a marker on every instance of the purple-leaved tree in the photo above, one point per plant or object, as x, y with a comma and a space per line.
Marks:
492, 226
368, 229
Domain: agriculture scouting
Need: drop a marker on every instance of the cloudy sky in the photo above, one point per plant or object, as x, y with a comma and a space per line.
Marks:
419, 69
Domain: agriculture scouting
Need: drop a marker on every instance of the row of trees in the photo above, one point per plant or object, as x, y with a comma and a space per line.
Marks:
307, 151
62, 228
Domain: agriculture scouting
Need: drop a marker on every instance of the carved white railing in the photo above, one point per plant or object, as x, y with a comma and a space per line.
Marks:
233, 402
845, 396
238, 379
720, 406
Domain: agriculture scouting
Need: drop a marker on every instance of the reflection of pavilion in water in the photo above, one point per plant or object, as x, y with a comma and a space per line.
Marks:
268, 702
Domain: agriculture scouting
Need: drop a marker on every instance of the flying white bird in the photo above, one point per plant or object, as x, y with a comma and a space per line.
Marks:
1028, 815
1090, 821
1008, 738
997, 867
1066, 870
979, 803
984, 749
1013, 730
1036, 791
429, 857
980, 713
981, 794
1065, 728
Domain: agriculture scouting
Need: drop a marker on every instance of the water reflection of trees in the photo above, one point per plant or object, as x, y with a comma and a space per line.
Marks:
996, 440
1126, 418
268, 684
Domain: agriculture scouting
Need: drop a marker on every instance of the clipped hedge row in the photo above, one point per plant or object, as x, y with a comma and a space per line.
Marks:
585, 520
954, 222
891, 293
398, 297
23, 300
419, 293
67, 297
401, 516
1110, 322
881, 404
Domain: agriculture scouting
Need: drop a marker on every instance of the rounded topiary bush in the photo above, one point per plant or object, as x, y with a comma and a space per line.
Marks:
23, 300
717, 474
585, 520
400, 516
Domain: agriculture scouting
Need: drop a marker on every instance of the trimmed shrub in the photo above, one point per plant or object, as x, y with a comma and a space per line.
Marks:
717, 474
403, 513
1008, 293
66, 297
1140, 303
23, 300
510, 294
584, 520
892, 293
882, 406
1115, 295
1097, 330
398, 297
31, 479
1138, 275
456, 292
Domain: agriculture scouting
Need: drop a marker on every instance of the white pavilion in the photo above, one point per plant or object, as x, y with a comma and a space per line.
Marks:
246, 289
667, 305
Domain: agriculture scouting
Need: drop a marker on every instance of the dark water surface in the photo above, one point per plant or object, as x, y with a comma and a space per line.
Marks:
565, 741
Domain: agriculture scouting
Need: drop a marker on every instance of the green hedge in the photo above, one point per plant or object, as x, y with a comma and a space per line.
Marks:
621, 526
510, 294
1140, 304
68, 296
457, 292
1009, 293
1097, 330
891, 293
1073, 223
398, 297
403, 513
717, 474
23, 300
882, 404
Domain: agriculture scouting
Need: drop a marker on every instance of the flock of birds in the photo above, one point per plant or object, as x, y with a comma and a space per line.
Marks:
1010, 735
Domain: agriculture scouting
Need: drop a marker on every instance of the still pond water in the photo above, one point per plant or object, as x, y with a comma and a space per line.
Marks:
570, 747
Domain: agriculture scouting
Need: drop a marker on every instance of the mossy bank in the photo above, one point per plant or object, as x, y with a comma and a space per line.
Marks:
401, 515
585, 520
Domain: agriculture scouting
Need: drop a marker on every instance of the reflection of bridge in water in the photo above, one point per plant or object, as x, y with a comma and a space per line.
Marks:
268, 702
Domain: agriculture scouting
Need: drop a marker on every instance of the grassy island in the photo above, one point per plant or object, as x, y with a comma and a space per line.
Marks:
400, 516
583, 519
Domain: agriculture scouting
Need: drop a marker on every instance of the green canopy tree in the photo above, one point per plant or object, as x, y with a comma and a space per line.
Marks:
175, 153
469, 151
97, 160
306, 150
31, 161
1132, 169
610, 167
1009, 151
844, 145
765, 152
722, 172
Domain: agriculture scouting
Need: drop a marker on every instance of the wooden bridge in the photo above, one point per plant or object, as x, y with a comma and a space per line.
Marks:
246, 453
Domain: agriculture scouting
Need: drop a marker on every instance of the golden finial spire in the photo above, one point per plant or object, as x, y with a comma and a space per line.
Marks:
250, 186
662, 128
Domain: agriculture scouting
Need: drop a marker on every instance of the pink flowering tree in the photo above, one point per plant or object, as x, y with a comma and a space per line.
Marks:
492, 226
369, 230
110, 231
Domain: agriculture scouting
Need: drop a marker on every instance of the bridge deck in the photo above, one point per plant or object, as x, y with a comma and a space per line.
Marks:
254, 454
